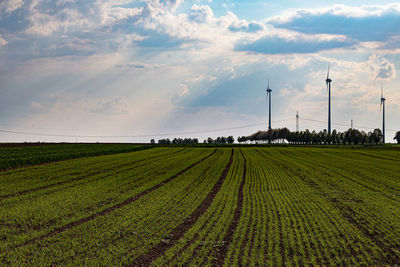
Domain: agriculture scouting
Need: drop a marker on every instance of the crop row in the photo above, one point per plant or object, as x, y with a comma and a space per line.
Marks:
144, 219
208, 238
348, 188
24, 181
207, 206
29, 216
19, 156
291, 215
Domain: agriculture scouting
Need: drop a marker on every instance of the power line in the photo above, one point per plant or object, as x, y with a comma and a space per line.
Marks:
170, 134
343, 124
137, 136
129, 136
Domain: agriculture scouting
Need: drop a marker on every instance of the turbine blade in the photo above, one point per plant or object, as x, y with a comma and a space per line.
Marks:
380, 107
381, 90
327, 75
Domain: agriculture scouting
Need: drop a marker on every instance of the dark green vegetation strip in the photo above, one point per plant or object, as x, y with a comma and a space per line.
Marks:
272, 206
118, 167
18, 156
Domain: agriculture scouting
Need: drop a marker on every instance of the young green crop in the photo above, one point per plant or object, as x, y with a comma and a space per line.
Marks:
15, 157
268, 206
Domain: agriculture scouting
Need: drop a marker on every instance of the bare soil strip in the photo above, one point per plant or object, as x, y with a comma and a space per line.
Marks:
220, 257
112, 208
179, 231
82, 177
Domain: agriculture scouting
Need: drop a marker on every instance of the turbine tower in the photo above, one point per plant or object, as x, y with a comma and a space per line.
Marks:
297, 121
328, 87
269, 105
383, 119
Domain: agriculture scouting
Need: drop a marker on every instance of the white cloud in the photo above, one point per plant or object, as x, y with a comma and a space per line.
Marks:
364, 23
184, 90
101, 67
291, 42
201, 13
381, 68
9, 6
336, 10
64, 21
36, 105
2, 41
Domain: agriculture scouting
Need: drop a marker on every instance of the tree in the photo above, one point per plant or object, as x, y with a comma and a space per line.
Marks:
364, 137
397, 137
314, 137
152, 141
334, 137
347, 138
354, 136
329, 138
242, 139
230, 139
164, 141
210, 140
377, 136
370, 138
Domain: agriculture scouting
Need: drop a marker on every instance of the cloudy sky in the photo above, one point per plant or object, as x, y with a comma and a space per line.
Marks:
193, 68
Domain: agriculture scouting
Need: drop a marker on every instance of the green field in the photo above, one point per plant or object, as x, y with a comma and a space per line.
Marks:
206, 206
19, 155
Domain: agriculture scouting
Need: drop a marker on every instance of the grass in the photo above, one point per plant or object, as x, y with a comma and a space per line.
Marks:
18, 156
190, 206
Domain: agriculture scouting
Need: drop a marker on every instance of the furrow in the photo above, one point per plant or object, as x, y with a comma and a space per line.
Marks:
112, 208
84, 177
348, 214
220, 258
179, 231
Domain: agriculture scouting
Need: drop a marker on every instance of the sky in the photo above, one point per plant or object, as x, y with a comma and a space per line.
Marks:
129, 71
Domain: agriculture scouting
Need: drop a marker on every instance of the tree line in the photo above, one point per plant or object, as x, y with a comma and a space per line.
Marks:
351, 136
176, 141
209, 140
220, 140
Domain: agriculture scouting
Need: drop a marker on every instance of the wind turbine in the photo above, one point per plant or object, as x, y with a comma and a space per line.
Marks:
269, 105
383, 120
328, 87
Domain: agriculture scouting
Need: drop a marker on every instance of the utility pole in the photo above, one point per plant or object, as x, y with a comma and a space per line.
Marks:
351, 124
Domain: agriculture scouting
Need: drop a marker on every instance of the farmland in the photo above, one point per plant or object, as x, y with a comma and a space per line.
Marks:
206, 206
19, 155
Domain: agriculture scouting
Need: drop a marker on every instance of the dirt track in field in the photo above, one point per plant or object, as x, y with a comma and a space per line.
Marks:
20, 193
179, 231
220, 257
112, 208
